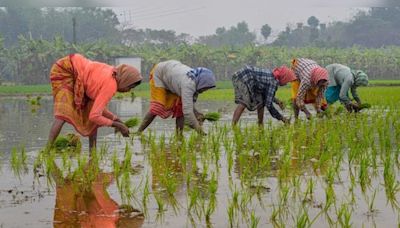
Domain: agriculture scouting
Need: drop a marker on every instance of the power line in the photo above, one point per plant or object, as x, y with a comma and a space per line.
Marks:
168, 13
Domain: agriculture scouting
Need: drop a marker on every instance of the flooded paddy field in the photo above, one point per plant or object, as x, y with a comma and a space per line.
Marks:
341, 171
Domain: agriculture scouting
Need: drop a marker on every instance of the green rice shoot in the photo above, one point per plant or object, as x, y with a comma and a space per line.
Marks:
132, 122
212, 116
70, 141
365, 105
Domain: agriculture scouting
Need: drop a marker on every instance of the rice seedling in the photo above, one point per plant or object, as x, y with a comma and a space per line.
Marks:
309, 193
392, 186
146, 194
160, 204
330, 197
193, 196
212, 116
371, 204
274, 215
344, 214
132, 122
284, 194
19, 161
231, 215
70, 142
364, 106
245, 199
34, 103
254, 220
364, 176
303, 219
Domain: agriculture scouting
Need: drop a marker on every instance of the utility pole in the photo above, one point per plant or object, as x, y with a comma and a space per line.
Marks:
73, 30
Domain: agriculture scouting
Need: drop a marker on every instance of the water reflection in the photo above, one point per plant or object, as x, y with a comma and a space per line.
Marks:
85, 202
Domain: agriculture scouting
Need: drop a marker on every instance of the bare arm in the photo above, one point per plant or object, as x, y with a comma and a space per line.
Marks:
147, 120
188, 109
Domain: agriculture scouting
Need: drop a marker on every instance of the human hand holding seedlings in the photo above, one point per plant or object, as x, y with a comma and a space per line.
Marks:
349, 107
200, 117
121, 128
356, 107
116, 130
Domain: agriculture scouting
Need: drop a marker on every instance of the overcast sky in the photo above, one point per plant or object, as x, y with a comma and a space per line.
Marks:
202, 17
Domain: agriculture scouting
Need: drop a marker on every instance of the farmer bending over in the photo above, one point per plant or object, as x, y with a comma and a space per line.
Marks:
255, 89
341, 80
82, 89
174, 88
310, 86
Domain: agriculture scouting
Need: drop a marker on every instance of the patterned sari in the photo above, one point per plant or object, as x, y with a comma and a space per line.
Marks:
310, 97
67, 91
164, 103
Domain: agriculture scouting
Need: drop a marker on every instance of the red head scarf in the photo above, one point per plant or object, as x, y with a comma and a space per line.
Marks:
284, 75
318, 74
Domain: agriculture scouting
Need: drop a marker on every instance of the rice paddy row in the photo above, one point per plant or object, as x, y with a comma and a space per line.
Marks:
323, 172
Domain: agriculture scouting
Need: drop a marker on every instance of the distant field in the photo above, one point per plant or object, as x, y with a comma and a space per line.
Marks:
223, 90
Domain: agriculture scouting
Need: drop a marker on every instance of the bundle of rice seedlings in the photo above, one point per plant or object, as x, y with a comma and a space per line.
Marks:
132, 122
364, 105
70, 141
212, 116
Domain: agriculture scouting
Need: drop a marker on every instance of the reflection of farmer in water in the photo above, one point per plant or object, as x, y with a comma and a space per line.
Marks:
83, 204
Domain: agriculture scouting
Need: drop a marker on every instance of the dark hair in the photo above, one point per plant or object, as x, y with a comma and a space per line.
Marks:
135, 84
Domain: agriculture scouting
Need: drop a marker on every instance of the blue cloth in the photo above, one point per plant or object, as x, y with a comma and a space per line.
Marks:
203, 77
332, 94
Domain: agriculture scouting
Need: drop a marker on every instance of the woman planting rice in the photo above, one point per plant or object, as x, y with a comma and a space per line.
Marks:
341, 80
82, 89
309, 87
174, 88
255, 89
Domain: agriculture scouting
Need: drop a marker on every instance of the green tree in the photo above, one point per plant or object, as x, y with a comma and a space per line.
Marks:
266, 31
313, 22
238, 35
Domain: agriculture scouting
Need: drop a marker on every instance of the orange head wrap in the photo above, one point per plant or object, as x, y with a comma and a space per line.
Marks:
127, 76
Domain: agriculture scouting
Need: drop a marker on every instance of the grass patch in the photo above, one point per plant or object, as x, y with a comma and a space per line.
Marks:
375, 95
25, 89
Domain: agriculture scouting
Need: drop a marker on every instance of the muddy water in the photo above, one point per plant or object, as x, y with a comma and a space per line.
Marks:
23, 201
34, 202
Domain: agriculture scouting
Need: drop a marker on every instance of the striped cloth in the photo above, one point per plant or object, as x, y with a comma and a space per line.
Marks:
309, 73
163, 102
256, 87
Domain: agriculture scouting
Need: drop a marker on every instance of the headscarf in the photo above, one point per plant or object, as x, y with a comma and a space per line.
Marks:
284, 75
203, 78
318, 74
360, 78
126, 76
